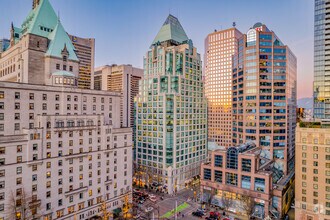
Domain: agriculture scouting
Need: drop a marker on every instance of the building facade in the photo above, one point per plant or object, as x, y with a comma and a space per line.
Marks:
85, 50
63, 150
264, 96
321, 86
123, 79
220, 46
312, 171
236, 180
171, 112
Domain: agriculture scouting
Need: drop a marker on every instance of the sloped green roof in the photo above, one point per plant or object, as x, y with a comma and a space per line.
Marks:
41, 20
63, 73
171, 30
58, 40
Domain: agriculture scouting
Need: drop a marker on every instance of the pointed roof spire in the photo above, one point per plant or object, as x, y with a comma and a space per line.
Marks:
42, 16
59, 42
171, 30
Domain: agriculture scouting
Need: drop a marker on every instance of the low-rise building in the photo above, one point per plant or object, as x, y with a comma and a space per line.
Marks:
240, 180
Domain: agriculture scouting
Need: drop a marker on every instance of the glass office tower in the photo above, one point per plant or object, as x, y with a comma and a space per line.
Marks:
171, 112
264, 96
321, 60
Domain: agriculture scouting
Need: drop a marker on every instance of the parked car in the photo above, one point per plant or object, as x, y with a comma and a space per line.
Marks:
198, 214
201, 210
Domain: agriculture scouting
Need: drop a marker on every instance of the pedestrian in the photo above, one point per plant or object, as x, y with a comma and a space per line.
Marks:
182, 215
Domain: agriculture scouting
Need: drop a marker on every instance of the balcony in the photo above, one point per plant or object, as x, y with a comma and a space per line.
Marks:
75, 128
74, 191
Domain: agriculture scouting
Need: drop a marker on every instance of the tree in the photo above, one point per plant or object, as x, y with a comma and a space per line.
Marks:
247, 205
23, 206
226, 201
105, 213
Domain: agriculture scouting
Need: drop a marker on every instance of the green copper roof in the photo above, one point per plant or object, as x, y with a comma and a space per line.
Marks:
59, 39
41, 20
171, 30
63, 73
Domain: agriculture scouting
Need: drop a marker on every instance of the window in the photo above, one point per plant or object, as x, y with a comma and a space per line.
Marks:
17, 105
31, 95
207, 174
218, 160
57, 66
246, 165
2, 94
259, 184
246, 182
231, 179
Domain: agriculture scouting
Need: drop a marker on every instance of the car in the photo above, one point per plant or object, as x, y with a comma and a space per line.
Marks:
141, 201
136, 190
201, 210
198, 214
149, 209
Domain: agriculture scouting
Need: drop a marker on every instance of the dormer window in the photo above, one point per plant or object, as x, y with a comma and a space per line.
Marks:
64, 67
65, 58
70, 68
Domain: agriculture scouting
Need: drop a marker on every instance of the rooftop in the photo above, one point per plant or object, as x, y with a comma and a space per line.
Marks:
315, 124
171, 31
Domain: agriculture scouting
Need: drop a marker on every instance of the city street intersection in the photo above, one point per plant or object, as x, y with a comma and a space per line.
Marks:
161, 209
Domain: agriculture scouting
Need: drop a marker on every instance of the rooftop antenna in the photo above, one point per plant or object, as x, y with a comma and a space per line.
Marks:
234, 24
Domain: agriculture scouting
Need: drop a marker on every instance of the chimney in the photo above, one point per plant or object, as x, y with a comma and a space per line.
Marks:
35, 3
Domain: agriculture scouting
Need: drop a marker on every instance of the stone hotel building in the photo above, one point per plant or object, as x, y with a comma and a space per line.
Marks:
63, 151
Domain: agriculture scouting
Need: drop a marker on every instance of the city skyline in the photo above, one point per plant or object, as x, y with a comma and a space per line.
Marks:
135, 28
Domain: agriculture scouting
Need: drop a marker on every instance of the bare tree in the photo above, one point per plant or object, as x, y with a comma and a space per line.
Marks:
226, 202
247, 205
23, 206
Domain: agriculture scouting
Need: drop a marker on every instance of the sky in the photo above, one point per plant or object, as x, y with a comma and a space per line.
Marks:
124, 29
